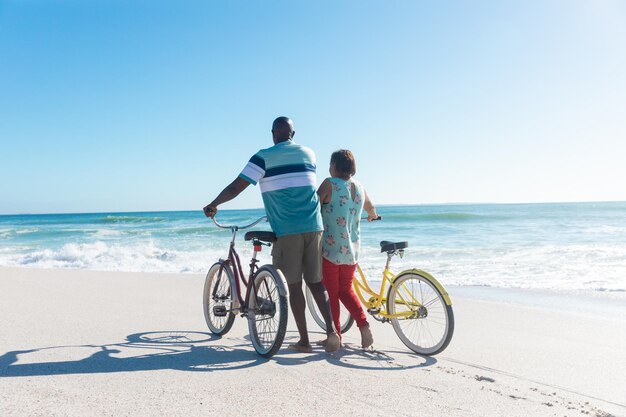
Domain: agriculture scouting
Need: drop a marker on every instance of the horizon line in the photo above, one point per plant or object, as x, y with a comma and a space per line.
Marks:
460, 203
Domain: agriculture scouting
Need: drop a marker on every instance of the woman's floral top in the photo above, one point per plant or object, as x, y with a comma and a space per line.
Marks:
341, 218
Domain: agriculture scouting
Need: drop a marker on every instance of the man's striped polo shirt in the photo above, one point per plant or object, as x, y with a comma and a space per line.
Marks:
286, 175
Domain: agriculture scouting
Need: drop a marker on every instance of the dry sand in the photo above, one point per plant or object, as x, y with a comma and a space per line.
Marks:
84, 343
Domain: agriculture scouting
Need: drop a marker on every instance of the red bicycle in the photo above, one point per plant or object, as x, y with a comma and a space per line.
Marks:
265, 300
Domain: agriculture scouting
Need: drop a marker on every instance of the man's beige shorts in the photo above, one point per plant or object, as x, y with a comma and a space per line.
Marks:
299, 256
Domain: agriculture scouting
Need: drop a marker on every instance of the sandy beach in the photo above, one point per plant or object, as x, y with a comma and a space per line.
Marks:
77, 342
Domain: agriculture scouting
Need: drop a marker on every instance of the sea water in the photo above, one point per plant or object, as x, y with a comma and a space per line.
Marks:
568, 246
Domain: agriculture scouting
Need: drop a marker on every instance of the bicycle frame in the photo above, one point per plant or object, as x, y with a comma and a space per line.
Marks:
235, 262
377, 303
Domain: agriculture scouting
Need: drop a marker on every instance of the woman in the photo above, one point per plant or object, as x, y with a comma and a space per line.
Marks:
343, 201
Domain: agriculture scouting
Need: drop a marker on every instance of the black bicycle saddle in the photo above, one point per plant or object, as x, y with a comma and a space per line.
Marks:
260, 235
386, 246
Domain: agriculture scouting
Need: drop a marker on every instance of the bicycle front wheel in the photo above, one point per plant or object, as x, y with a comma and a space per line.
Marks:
267, 311
421, 317
218, 299
346, 319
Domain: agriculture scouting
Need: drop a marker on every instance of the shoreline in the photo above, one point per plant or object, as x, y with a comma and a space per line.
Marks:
539, 297
78, 342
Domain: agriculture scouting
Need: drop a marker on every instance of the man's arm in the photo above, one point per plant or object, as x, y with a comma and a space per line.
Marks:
231, 191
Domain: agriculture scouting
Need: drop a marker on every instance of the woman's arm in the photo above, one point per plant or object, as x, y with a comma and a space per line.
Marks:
325, 192
368, 206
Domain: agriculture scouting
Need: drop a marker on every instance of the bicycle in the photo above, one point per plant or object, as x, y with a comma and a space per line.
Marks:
265, 300
416, 304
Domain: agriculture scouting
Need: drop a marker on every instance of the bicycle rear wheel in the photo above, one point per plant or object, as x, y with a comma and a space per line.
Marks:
346, 319
267, 311
218, 298
427, 322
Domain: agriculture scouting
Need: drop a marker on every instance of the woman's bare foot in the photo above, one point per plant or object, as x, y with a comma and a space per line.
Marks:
332, 342
300, 347
366, 336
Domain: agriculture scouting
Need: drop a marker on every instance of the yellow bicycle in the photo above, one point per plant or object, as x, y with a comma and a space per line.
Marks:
414, 302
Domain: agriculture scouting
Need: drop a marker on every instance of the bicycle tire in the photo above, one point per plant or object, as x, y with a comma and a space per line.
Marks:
417, 332
219, 325
268, 301
347, 322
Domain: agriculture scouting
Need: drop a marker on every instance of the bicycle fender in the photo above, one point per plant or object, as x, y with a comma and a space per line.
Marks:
282, 289
437, 284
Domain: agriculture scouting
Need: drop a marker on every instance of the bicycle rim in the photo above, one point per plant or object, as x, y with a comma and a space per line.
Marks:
267, 311
346, 319
428, 322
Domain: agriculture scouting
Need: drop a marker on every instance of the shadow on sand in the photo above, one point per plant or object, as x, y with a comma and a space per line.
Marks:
179, 350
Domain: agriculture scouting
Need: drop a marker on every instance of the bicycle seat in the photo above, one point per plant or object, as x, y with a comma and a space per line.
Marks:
260, 235
386, 246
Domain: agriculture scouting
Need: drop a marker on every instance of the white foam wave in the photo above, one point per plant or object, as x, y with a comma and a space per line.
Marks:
137, 257
577, 267
26, 231
107, 233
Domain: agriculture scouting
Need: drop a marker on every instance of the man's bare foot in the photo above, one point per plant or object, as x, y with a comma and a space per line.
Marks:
324, 342
321, 342
333, 342
300, 347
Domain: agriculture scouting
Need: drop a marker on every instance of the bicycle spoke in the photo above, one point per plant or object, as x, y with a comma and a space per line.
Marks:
267, 325
217, 299
429, 303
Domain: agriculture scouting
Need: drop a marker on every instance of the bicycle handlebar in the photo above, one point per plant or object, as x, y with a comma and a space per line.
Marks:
254, 223
377, 218
239, 227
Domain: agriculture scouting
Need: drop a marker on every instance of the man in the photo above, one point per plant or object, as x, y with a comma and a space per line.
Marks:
286, 175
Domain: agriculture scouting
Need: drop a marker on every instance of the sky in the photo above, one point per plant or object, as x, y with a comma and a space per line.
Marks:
152, 105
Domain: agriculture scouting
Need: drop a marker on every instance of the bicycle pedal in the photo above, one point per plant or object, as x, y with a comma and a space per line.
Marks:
220, 311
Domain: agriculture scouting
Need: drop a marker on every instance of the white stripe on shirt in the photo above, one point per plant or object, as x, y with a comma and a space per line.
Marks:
294, 179
253, 171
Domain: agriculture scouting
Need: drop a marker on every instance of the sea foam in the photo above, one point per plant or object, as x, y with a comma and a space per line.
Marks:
543, 246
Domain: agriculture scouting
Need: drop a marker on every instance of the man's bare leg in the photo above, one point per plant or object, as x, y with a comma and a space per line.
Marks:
298, 305
321, 299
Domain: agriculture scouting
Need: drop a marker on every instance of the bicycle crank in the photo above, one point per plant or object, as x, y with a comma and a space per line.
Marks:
266, 307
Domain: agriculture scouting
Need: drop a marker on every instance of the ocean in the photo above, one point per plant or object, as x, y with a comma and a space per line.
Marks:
562, 247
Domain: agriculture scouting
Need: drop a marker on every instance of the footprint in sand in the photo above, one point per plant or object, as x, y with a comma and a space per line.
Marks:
484, 378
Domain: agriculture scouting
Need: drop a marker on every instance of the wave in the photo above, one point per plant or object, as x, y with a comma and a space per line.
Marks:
573, 267
131, 219
101, 256
563, 268
26, 231
200, 230
444, 217
107, 233
451, 216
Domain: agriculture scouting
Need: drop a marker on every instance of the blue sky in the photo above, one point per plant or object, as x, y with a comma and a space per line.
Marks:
148, 105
